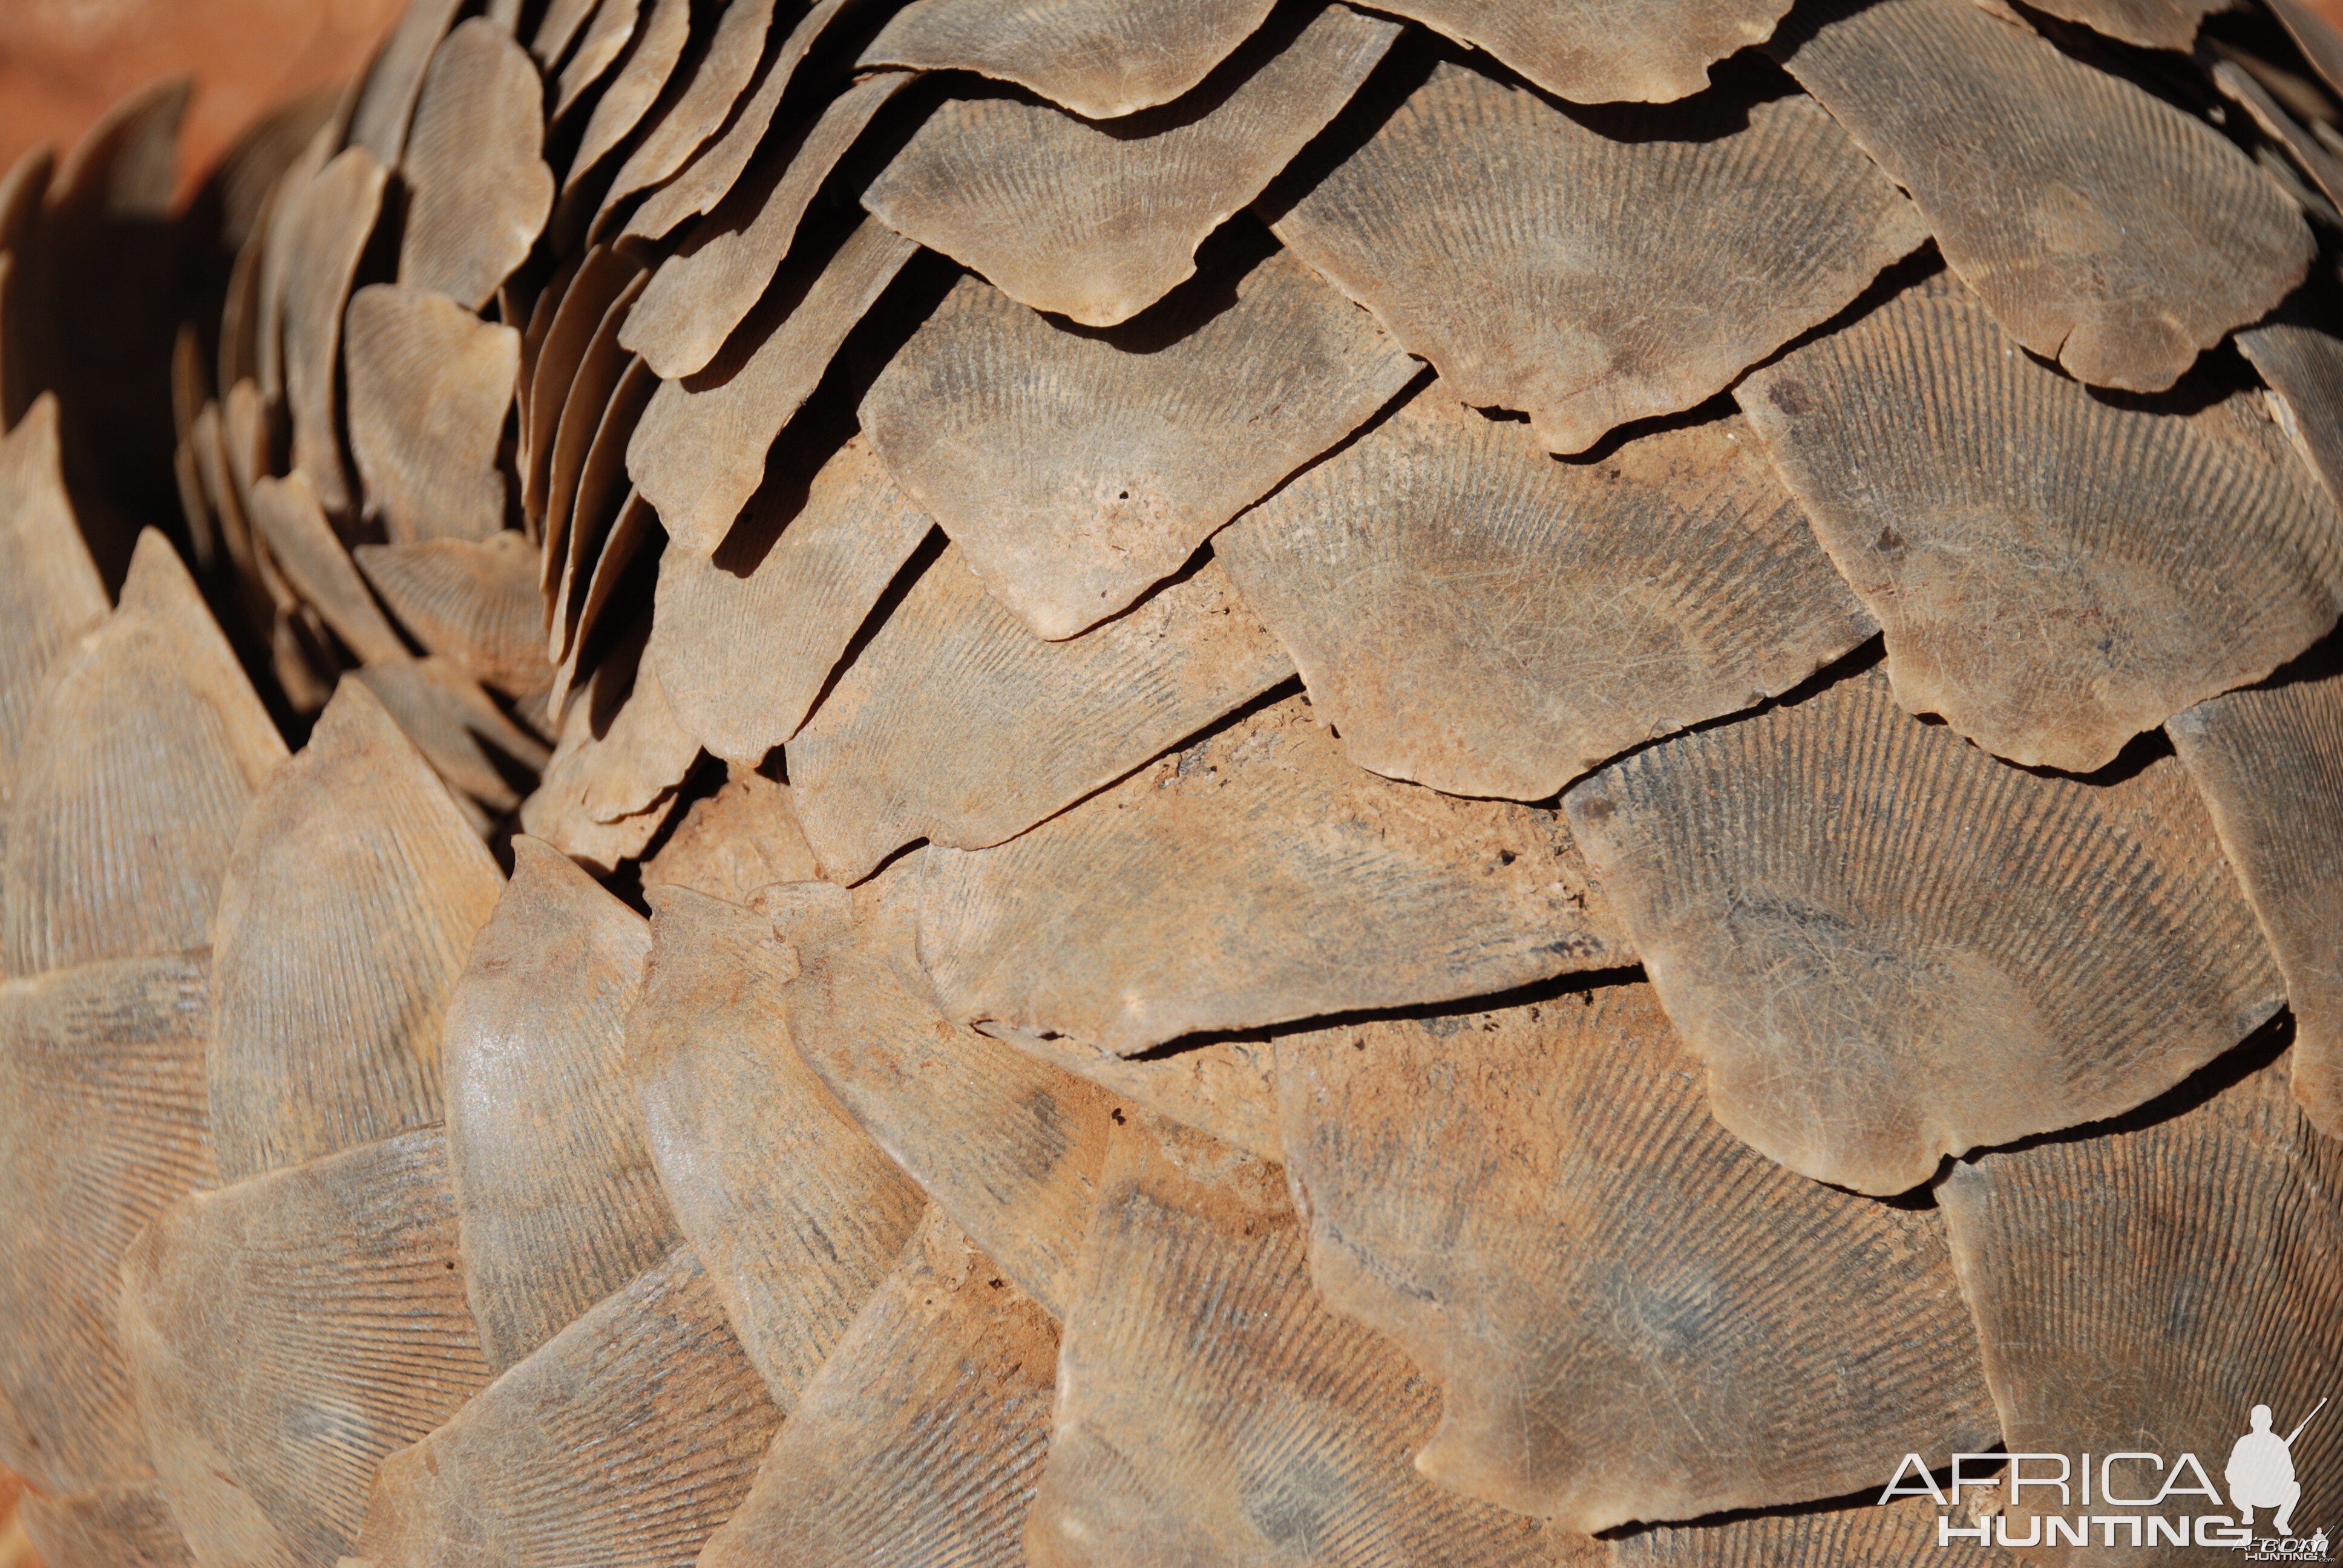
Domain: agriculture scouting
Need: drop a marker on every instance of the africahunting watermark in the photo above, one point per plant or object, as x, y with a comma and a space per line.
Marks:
2129, 1498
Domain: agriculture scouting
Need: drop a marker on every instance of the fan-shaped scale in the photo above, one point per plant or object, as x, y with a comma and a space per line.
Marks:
1097, 222
1007, 1147
288, 1332
1255, 878
605, 37
2150, 23
133, 771
1889, 947
703, 292
429, 387
2269, 763
479, 191
796, 585
1465, 226
632, 93
1211, 1409
699, 454
718, 72
716, 167
1100, 58
50, 593
1076, 469
2056, 572
2145, 1288
602, 368
603, 281
350, 900
957, 724
796, 1215
473, 602
386, 99
2103, 227
476, 750
290, 521
1653, 51
1536, 1205
1472, 615
330, 218
554, 1179
919, 1440
102, 1123
523, 1476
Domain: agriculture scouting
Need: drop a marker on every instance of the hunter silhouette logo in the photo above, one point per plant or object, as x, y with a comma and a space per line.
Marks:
2260, 1472
2126, 1498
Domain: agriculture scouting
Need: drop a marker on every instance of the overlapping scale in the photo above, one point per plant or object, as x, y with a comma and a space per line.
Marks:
1720, 233
473, 602
528, 1474
350, 900
2103, 227
2150, 23
2084, 1261
796, 1213
719, 71
429, 387
920, 1438
1100, 58
474, 745
605, 37
733, 844
957, 724
1211, 1409
1652, 51
385, 100
49, 588
1889, 947
1099, 221
618, 110
1007, 1147
700, 452
2269, 763
611, 782
102, 1125
554, 1180
1536, 1205
329, 220
135, 767
1867, 1532
1227, 1088
796, 580
710, 175
1254, 877
1472, 615
478, 192
287, 519
286, 1332
703, 292
1075, 469
2056, 571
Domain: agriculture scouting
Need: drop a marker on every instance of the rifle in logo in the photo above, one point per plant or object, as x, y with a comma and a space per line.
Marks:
2261, 1471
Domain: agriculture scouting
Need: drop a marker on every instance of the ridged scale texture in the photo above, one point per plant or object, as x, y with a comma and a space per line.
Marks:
2143, 1289
1473, 615
286, 1332
1254, 877
1536, 1205
553, 1173
479, 190
2269, 762
1465, 224
921, 1440
957, 724
2055, 573
1100, 58
1211, 1409
350, 902
796, 1213
1649, 50
1888, 946
429, 385
102, 1123
623, 1442
1099, 222
474, 602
